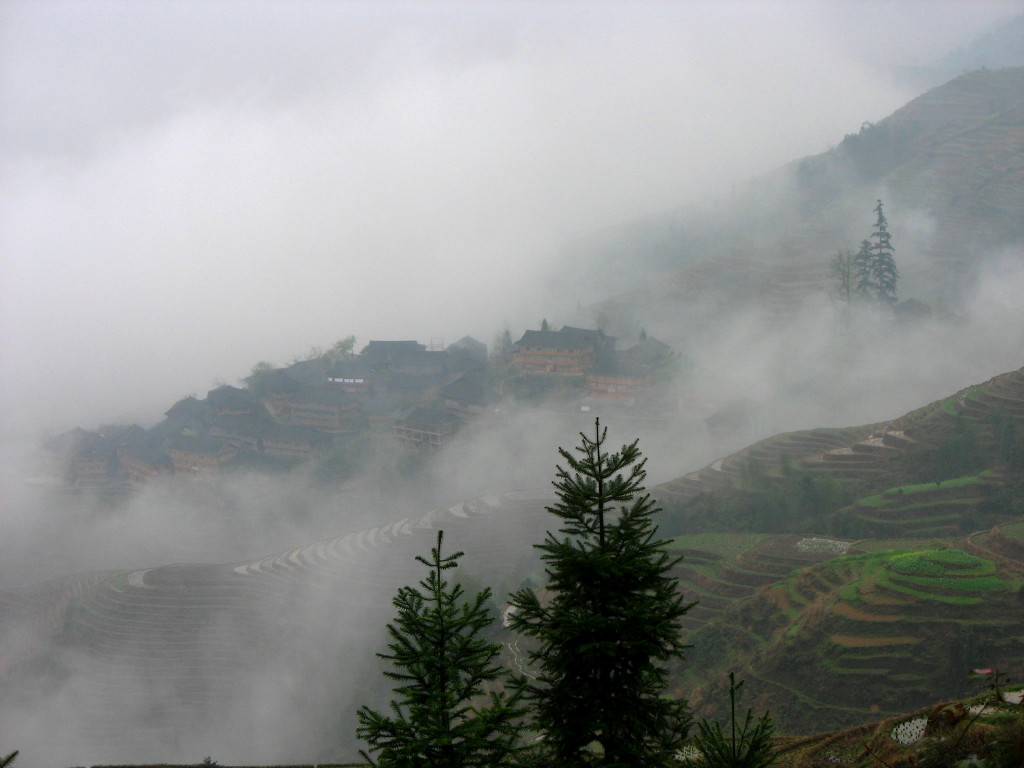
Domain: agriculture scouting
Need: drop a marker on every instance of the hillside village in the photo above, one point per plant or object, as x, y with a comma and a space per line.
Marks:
418, 396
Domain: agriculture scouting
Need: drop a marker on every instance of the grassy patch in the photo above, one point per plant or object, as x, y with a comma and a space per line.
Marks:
897, 585
961, 584
956, 482
940, 561
1013, 531
727, 545
872, 501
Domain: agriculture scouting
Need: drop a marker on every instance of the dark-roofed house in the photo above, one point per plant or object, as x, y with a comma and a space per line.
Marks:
626, 376
188, 414
325, 407
405, 369
467, 354
144, 460
199, 456
623, 380
307, 371
96, 461
227, 401
245, 431
649, 351
293, 441
568, 352
603, 343
81, 457
385, 357
124, 438
383, 352
466, 395
426, 428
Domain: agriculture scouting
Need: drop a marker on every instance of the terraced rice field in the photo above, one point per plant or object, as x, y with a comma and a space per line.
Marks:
803, 446
885, 622
721, 570
175, 651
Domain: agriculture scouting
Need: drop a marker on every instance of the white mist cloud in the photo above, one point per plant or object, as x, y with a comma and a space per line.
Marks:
190, 187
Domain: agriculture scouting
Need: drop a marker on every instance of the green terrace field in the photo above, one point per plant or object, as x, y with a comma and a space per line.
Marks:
886, 628
941, 508
944, 470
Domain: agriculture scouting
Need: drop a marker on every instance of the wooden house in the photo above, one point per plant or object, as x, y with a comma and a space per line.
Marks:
467, 394
385, 355
188, 415
621, 381
293, 442
145, 460
81, 457
199, 456
326, 408
551, 353
426, 428
604, 345
649, 351
229, 401
244, 431
95, 462
628, 375
467, 354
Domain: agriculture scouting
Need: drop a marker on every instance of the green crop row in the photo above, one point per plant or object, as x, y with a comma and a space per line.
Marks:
922, 487
962, 584
939, 562
959, 559
908, 589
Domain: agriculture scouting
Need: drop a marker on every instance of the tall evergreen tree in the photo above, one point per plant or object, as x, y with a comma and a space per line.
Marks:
448, 714
874, 265
610, 619
863, 282
884, 274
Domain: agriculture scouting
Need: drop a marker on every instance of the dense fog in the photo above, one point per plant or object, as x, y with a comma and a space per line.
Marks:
189, 188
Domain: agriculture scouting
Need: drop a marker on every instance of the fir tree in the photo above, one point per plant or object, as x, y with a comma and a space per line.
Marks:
448, 714
884, 274
610, 621
874, 265
864, 283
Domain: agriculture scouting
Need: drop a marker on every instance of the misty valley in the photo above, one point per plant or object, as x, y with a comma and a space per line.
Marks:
822, 372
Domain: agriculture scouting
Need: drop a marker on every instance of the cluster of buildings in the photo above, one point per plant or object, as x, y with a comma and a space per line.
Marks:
420, 396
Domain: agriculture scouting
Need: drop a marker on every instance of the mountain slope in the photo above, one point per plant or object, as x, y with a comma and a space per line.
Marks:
949, 165
949, 467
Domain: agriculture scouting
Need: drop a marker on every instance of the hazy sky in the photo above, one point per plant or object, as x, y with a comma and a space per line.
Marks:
189, 187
